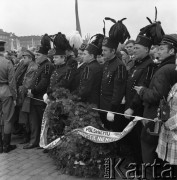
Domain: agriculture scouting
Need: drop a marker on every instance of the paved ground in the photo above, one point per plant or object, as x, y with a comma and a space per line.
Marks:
31, 164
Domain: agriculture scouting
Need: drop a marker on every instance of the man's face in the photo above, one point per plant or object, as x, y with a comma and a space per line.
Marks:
139, 51
80, 56
26, 59
129, 47
59, 59
107, 53
86, 56
38, 57
163, 52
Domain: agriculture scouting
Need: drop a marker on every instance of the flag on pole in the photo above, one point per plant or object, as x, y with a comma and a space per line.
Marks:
78, 28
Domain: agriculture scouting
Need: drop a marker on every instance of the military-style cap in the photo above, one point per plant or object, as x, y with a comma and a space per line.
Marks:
92, 49
2, 45
29, 53
170, 39
110, 43
144, 41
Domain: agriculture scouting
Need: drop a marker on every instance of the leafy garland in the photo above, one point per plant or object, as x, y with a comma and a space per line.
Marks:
76, 155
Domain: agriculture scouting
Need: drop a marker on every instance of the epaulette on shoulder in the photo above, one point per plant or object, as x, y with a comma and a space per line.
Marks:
86, 72
121, 72
150, 72
47, 69
68, 74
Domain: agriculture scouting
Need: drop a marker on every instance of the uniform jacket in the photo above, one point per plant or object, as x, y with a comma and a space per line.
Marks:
140, 75
113, 84
77, 77
7, 80
62, 76
41, 80
90, 82
164, 78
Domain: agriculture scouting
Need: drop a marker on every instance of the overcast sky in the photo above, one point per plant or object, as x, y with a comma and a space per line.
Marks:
36, 17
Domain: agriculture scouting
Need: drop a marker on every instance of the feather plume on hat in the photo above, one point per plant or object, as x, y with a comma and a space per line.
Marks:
75, 40
153, 31
60, 42
97, 40
45, 42
118, 32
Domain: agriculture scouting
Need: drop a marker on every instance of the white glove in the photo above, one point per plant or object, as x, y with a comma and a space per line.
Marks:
45, 98
110, 116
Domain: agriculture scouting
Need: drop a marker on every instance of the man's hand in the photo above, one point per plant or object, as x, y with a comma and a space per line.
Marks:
138, 89
45, 98
29, 94
129, 112
110, 116
15, 103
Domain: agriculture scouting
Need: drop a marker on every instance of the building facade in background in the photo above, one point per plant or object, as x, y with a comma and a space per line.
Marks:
14, 42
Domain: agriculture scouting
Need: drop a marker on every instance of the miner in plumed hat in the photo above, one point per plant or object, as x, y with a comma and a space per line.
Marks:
90, 82
141, 74
8, 96
63, 74
164, 78
38, 89
113, 81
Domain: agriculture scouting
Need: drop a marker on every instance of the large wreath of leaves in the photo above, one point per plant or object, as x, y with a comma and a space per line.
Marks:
76, 155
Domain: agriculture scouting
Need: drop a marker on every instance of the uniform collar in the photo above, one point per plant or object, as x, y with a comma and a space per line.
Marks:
169, 60
61, 65
112, 60
142, 60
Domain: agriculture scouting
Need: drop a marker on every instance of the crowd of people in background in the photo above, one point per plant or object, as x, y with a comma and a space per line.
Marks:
131, 79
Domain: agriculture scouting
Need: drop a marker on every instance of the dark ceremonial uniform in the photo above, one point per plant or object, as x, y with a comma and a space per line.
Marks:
164, 78
62, 76
112, 87
89, 87
38, 89
77, 77
70, 61
140, 75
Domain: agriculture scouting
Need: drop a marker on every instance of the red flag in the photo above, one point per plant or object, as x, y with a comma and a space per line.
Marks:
78, 28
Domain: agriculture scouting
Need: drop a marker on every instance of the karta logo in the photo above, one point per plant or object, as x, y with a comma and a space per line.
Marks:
113, 168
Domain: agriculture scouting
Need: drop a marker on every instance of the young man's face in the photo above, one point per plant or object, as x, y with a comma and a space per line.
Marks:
59, 59
129, 47
27, 59
86, 56
163, 52
107, 53
80, 56
139, 51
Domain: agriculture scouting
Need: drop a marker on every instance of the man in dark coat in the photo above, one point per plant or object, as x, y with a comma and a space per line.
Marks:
8, 97
140, 74
164, 78
38, 89
79, 69
63, 74
113, 84
89, 88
